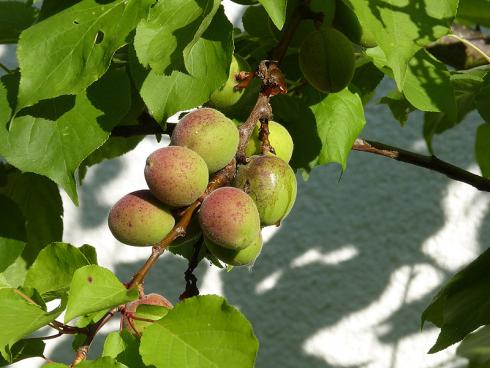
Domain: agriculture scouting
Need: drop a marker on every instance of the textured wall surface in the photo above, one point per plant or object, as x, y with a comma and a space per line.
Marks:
343, 281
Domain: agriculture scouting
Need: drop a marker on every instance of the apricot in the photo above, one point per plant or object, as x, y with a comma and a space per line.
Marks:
151, 307
242, 257
209, 133
227, 96
279, 138
229, 218
177, 176
272, 185
140, 219
326, 59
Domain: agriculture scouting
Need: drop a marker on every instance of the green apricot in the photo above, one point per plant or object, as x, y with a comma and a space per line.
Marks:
347, 22
177, 176
151, 307
327, 60
279, 138
272, 185
209, 133
226, 96
229, 218
243, 257
140, 219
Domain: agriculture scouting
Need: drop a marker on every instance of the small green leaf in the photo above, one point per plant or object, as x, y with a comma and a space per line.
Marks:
427, 85
20, 318
53, 269
475, 11
462, 305
203, 331
54, 365
67, 52
482, 148
53, 137
113, 345
366, 78
23, 349
94, 288
173, 27
14, 18
104, 362
483, 97
207, 61
276, 10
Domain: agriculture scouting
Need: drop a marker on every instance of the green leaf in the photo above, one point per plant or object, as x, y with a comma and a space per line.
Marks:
172, 29
54, 365
40, 202
324, 131
467, 86
366, 78
203, 331
276, 10
94, 288
20, 318
207, 61
53, 137
398, 105
124, 347
476, 347
427, 85
483, 97
51, 7
14, 18
256, 22
53, 269
403, 28
463, 304
65, 53
23, 349
482, 149
475, 11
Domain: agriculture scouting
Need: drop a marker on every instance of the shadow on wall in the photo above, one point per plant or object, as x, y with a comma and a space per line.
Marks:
348, 272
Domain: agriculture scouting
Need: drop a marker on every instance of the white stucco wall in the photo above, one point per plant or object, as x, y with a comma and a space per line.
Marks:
343, 281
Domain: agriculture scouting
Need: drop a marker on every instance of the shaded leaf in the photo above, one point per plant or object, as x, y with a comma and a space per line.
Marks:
23, 349
94, 288
476, 347
14, 18
202, 331
124, 347
398, 105
462, 305
482, 148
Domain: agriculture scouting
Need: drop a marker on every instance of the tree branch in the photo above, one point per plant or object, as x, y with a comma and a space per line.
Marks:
428, 162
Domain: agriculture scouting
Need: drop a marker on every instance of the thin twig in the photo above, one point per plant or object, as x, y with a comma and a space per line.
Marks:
428, 162
472, 45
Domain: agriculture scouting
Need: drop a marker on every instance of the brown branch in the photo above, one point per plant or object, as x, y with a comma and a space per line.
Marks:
191, 279
83, 349
428, 162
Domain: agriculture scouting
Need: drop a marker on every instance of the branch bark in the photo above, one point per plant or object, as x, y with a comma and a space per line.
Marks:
429, 162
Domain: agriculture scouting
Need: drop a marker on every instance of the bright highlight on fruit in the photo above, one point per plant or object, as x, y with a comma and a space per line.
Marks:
279, 138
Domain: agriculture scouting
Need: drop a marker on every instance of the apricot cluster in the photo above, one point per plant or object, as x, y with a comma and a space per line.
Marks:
230, 218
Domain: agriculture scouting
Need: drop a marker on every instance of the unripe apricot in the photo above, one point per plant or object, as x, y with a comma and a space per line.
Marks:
279, 138
209, 133
327, 61
242, 257
229, 218
151, 306
272, 185
227, 96
140, 219
177, 176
